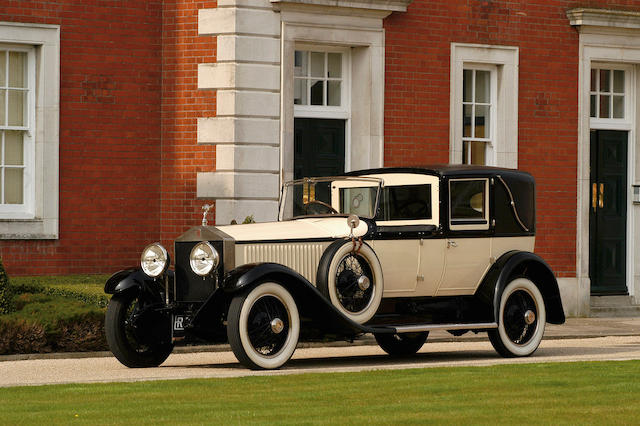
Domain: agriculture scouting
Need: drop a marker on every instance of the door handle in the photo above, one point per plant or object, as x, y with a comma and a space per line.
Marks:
451, 244
594, 196
601, 199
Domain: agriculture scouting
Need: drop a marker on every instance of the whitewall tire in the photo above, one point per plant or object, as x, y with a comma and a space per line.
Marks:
521, 321
263, 326
351, 280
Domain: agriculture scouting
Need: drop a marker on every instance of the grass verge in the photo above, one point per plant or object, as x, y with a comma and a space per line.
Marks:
556, 393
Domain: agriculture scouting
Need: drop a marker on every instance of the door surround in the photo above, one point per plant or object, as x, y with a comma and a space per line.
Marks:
604, 39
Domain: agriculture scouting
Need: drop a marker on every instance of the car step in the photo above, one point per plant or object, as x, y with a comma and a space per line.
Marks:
431, 327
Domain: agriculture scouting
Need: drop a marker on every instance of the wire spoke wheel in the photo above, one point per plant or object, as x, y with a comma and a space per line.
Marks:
352, 294
268, 325
521, 320
263, 326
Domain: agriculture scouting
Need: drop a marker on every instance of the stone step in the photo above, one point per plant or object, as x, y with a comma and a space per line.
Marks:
615, 311
611, 301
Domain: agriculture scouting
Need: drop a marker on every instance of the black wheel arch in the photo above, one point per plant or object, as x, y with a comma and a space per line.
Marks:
525, 264
135, 280
311, 303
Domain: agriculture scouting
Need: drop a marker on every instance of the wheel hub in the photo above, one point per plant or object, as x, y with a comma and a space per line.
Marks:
277, 325
363, 282
529, 317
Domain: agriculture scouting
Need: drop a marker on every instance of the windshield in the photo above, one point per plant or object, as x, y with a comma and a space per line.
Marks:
330, 196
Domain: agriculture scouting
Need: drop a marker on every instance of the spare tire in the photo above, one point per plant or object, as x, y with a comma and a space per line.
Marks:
351, 279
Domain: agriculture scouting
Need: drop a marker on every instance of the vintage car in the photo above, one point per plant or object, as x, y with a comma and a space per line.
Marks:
394, 252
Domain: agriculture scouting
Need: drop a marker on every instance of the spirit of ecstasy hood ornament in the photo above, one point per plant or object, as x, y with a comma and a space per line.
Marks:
206, 209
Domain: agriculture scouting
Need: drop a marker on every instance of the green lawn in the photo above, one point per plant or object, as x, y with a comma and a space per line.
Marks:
575, 393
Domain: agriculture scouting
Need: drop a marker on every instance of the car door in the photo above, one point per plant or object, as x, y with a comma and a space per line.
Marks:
404, 240
468, 241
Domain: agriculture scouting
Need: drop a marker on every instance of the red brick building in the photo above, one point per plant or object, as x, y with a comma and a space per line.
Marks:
119, 120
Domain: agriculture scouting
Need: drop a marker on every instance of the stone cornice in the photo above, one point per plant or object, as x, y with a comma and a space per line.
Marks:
373, 5
604, 18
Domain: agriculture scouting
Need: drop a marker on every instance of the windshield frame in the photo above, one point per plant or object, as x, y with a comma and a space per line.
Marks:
313, 180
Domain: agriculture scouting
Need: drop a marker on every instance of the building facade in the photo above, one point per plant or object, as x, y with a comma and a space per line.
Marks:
120, 120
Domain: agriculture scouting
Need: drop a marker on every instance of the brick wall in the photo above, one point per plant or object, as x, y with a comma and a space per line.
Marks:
182, 105
417, 96
109, 135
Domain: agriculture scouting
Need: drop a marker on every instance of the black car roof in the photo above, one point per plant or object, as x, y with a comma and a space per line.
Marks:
444, 170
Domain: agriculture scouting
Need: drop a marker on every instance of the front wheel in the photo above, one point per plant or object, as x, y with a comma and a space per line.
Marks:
521, 321
127, 328
263, 326
404, 344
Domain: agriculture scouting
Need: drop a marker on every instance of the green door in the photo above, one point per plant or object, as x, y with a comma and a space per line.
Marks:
608, 212
319, 147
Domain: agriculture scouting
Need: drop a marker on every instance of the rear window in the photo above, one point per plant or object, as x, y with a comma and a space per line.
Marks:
409, 202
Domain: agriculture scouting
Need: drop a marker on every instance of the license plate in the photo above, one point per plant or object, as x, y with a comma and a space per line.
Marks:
178, 322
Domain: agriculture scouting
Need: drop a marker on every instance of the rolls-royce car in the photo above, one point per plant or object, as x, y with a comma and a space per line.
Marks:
392, 252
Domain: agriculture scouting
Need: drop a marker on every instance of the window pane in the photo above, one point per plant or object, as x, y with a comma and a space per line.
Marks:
466, 121
467, 199
3, 69
13, 151
13, 186
3, 113
604, 106
333, 93
317, 64
594, 80
465, 152
411, 202
300, 63
482, 122
316, 92
593, 106
483, 89
16, 107
604, 80
467, 86
478, 150
335, 65
618, 107
618, 81
300, 91
17, 68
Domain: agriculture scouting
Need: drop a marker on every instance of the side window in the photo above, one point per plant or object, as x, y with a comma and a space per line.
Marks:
469, 204
410, 202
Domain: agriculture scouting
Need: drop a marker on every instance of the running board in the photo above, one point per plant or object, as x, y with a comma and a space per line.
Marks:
432, 327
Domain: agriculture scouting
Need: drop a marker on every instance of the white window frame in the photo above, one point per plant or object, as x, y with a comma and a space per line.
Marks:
489, 142
39, 217
325, 111
625, 123
26, 210
504, 59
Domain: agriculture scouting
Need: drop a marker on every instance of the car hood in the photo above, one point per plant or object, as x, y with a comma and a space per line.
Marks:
299, 229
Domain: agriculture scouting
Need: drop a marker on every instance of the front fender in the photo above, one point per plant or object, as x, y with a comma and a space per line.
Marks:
134, 280
522, 264
311, 303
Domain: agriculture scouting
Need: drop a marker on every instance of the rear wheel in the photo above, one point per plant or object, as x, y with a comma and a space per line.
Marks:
401, 344
127, 333
522, 319
263, 326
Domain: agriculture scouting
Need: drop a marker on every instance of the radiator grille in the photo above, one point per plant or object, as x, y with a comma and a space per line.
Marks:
302, 258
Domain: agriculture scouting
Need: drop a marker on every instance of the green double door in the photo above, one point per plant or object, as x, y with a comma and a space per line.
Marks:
608, 212
319, 147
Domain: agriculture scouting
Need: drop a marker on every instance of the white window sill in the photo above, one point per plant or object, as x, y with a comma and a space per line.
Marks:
28, 229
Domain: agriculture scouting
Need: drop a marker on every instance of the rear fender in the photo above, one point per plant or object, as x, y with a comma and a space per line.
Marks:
528, 265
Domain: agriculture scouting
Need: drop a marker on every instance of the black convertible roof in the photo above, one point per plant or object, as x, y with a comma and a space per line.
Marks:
446, 170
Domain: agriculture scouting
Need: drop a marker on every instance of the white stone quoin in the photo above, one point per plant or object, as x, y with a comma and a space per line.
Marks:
246, 130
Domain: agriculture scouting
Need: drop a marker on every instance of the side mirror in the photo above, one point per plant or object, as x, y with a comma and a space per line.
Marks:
353, 221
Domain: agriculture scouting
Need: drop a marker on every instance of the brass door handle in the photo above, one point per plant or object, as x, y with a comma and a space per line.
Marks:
594, 195
601, 199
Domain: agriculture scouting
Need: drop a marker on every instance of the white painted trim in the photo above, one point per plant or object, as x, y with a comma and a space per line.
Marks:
43, 218
505, 59
620, 47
